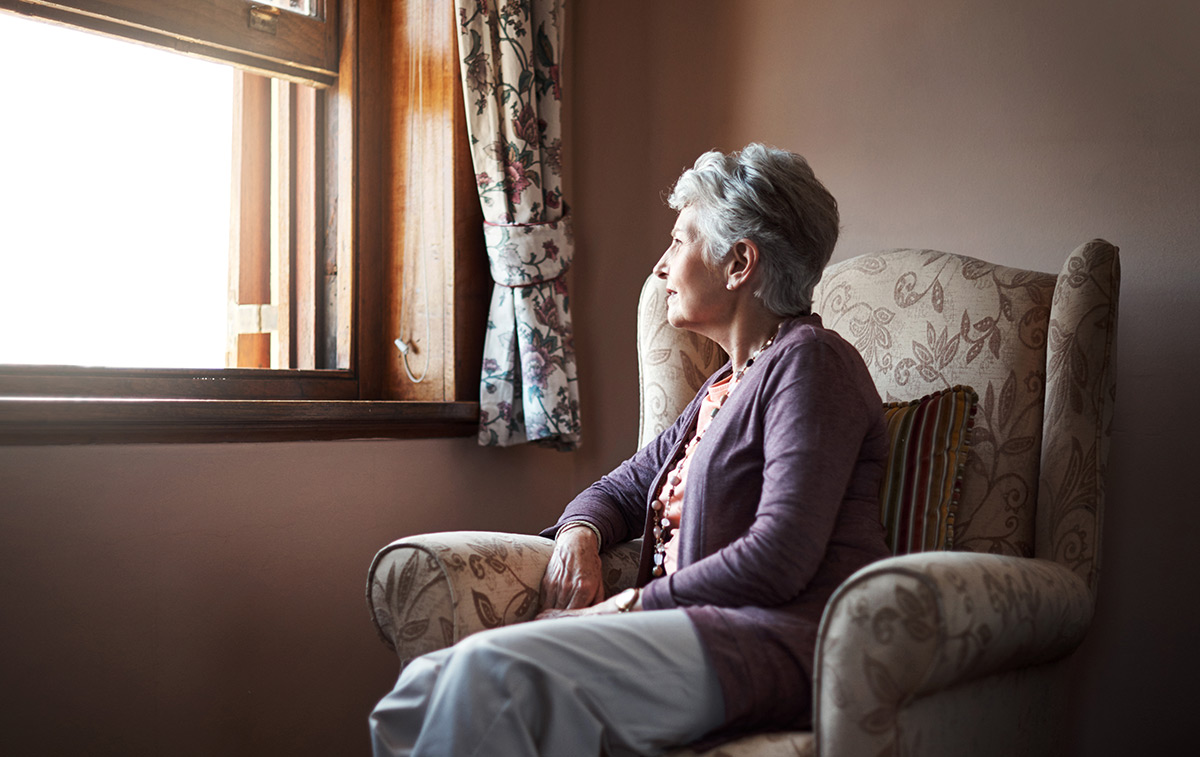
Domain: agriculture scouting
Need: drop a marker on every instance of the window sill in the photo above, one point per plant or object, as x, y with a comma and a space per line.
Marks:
56, 420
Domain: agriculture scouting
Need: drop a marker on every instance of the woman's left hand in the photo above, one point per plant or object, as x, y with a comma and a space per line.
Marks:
609, 606
604, 608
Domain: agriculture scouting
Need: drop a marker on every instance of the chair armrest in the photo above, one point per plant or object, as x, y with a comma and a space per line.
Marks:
427, 592
912, 625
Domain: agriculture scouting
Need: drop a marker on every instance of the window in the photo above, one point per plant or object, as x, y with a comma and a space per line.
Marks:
90, 202
115, 212
388, 260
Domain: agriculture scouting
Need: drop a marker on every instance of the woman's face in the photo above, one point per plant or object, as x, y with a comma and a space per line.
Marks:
696, 295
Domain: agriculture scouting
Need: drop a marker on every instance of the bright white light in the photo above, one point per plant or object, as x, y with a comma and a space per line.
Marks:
115, 165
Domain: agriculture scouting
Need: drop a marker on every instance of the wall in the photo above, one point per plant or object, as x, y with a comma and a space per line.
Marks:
208, 599
1011, 130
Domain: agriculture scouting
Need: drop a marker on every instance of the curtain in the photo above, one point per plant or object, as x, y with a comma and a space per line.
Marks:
510, 54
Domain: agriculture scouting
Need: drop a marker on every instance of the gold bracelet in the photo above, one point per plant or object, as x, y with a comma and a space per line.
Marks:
633, 601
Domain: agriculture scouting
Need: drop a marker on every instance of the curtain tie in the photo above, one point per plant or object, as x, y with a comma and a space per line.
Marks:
524, 254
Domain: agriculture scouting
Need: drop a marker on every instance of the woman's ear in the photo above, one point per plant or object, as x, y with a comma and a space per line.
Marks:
742, 264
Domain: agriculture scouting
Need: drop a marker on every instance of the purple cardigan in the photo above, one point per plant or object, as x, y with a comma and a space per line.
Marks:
781, 506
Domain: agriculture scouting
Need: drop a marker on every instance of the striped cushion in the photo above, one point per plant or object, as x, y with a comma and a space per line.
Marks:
929, 442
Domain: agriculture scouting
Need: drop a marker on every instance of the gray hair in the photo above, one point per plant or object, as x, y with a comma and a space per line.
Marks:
772, 198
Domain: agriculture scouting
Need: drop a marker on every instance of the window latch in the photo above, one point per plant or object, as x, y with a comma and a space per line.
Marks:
264, 18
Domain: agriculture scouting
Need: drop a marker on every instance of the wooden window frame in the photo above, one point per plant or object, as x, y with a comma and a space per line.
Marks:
370, 104
259, 38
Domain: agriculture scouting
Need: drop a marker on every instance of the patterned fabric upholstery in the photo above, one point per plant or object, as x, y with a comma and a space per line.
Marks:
913, 625
1081, 369
926, 320
429, 591
929, 653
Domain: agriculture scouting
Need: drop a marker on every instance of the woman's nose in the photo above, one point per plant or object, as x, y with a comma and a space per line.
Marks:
660, 268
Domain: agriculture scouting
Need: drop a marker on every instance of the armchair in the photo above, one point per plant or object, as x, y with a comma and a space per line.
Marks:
935, 653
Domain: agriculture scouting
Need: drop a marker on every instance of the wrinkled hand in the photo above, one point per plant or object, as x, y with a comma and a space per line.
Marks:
573, 577
627, 601
604, 608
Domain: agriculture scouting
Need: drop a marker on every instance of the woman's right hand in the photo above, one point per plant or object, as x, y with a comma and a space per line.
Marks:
573, 577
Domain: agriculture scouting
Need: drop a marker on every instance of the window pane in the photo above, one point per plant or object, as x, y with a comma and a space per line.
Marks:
114, 202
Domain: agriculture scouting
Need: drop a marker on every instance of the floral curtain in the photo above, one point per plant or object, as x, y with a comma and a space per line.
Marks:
511, 52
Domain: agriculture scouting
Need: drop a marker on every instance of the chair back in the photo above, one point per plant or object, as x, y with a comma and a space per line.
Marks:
1039, 350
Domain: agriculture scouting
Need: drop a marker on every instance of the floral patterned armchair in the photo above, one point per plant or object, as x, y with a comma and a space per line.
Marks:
937, 653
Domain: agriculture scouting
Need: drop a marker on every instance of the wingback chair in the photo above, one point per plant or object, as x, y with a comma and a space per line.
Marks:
935, 653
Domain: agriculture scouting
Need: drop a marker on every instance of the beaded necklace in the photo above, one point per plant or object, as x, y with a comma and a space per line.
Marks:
662, 525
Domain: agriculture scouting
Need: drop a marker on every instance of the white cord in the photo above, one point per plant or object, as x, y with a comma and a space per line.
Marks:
405, 347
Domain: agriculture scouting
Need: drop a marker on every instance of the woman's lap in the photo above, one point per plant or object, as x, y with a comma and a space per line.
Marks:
629, 683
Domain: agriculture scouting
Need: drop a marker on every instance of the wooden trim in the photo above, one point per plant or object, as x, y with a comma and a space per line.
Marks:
249, 217
252, 190
301, 48
342, 174
84, 421
307, 200
254, 350
247, 383
301, 227
369, 88
291, 300
469, 272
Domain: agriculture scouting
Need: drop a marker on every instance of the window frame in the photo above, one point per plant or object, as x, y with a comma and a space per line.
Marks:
377, 42
259, 38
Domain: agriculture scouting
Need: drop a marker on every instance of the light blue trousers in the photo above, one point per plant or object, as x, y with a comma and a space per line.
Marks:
628, 684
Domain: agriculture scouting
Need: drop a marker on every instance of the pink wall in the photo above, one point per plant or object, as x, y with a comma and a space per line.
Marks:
208, 599
1011, 130
214, 593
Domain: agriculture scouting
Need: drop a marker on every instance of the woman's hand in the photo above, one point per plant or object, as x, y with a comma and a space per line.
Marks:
604, 608
627, 601
573, 577
593, 610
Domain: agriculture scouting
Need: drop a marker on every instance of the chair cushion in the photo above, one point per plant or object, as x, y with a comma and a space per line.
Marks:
930, 438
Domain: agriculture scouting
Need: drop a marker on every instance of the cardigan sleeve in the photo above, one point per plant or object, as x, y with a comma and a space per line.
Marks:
813, 427
616, 504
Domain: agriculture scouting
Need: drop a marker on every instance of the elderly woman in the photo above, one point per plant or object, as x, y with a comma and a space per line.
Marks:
753, 507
